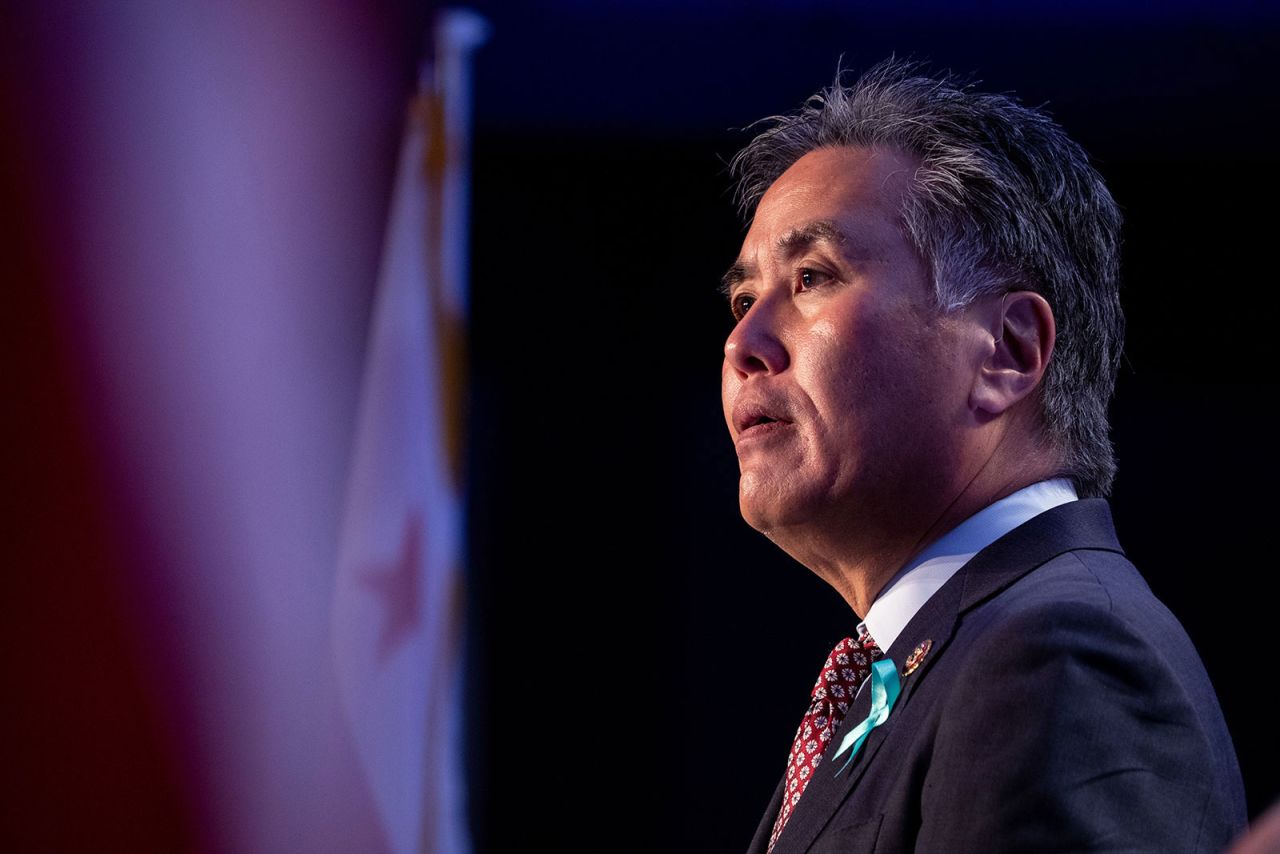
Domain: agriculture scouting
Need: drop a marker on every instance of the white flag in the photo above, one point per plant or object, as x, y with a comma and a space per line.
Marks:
398, 603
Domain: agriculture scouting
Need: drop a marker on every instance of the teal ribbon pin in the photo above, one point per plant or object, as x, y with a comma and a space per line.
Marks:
885, 689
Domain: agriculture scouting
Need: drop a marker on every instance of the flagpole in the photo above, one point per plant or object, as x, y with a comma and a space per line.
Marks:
447, 86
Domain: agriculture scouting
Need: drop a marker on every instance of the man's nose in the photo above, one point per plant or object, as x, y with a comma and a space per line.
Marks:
754, 345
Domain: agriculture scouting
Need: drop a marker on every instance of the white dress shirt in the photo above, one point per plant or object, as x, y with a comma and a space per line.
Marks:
911, 587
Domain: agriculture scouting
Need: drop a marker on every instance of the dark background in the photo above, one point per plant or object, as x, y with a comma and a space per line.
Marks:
643, 655
638, 656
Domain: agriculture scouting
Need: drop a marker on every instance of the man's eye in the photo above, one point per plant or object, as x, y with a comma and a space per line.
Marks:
739, 305
810, 277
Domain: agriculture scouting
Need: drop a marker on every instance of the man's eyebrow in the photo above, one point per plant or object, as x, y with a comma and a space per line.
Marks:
737, 273
789, 245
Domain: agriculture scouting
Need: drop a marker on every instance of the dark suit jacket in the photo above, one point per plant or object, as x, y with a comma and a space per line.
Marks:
1061, 707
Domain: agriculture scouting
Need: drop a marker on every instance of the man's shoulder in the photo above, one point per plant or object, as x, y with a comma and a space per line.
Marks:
1072, 687
1090, 611
1079, 594
1084, 578
1065, 561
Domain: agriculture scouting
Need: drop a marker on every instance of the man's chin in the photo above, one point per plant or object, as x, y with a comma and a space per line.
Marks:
771, 515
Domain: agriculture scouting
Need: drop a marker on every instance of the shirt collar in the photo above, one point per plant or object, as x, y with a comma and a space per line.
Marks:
911, 587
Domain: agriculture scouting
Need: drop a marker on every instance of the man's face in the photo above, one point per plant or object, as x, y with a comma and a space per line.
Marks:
844, 389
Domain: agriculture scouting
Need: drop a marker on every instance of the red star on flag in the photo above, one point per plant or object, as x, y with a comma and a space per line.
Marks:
399, 583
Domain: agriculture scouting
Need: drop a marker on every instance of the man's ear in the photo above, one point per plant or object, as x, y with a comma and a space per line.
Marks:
1022, 332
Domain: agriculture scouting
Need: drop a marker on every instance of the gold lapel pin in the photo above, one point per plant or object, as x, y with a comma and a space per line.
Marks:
917, 655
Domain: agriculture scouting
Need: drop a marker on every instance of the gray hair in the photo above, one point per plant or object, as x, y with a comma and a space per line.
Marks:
1003, 200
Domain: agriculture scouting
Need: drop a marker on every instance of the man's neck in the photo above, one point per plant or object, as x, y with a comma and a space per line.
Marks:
928, 571
858, 560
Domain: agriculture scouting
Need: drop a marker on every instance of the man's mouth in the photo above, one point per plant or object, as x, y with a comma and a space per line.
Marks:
757, 419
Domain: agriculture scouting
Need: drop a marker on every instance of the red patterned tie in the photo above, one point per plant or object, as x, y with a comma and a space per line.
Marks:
845, 669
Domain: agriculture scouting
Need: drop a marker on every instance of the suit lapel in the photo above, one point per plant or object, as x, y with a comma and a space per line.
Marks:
1083, 524
828, 790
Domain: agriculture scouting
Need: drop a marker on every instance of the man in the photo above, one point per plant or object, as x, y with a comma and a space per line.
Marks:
928, 331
